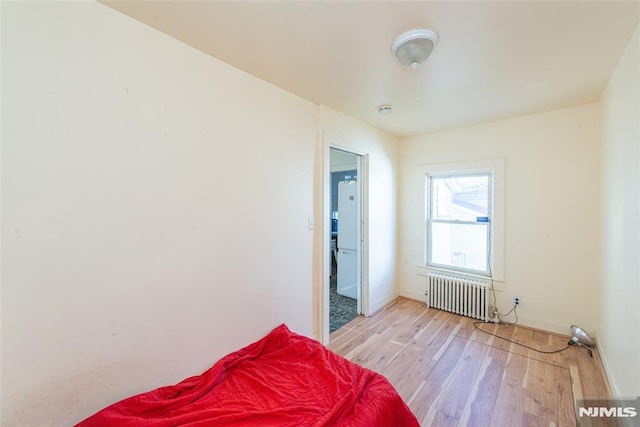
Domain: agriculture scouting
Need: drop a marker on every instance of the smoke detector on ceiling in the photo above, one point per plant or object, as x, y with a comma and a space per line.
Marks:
414, 47
384, 109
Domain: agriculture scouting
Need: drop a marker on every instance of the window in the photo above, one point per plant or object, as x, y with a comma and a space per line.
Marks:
459, 215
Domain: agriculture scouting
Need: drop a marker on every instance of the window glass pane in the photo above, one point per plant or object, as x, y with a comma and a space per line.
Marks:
459, 245
461, 198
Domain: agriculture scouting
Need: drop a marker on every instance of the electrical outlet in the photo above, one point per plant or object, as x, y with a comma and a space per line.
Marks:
516, 301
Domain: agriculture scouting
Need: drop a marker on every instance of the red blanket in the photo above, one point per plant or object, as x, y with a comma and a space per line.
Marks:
284, 379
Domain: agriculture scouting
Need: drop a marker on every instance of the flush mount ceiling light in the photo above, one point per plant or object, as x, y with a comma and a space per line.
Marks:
414, 47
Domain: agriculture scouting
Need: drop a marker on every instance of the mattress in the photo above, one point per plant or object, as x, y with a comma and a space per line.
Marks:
283, 379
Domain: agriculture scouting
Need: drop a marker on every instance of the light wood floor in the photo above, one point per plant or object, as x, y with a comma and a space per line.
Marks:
453, 375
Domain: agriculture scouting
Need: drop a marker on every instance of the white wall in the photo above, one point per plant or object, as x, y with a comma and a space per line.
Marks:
552, 221
620, 293
383, 157
149, 223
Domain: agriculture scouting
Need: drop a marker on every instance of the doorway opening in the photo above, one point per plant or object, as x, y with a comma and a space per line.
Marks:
345, 212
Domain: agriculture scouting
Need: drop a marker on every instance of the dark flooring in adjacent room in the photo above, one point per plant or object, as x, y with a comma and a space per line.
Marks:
342, 309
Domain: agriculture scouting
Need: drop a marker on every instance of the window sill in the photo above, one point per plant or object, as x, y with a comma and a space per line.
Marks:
423, 270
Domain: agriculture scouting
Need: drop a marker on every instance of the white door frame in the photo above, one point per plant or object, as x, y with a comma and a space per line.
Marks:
334, 142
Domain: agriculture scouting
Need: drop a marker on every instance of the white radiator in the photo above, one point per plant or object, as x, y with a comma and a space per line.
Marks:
461, 296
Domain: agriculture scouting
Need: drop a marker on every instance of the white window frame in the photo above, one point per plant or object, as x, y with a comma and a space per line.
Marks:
496, 255
430, 221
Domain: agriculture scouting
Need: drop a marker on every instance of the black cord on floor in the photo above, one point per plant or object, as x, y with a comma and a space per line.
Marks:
475, 325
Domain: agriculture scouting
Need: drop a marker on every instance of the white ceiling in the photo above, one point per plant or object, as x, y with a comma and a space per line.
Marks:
495, 59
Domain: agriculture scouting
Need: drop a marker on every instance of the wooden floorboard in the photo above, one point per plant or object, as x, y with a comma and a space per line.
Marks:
452, 374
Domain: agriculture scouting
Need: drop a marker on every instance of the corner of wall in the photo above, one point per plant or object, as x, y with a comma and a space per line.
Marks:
619, 319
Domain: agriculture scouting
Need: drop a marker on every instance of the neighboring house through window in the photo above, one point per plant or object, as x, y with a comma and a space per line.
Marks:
459, 221
464, 221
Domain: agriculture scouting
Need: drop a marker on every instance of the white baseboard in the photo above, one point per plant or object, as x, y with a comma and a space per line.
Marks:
607, 370
381, 302
418, 296
545, 325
